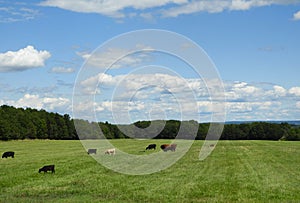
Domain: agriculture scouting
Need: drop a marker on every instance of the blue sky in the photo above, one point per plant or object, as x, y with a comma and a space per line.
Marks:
253, 43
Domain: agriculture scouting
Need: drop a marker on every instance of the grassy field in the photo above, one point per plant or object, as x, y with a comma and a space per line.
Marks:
236, 171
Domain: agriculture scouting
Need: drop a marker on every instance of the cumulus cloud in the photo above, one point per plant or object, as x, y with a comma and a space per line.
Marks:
241, 91
93, 84
38, 102
296, 16
280, 91
295, 91
23, 59
276, 92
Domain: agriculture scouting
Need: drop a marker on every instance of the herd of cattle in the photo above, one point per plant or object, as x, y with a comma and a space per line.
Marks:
164, 147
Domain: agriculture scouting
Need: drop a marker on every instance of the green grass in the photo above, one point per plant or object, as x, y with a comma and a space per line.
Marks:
236, 171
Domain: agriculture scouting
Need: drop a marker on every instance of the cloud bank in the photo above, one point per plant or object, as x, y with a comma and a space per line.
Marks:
138, 95
164, 96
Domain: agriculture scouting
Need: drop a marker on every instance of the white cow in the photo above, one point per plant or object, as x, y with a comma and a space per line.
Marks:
110, 151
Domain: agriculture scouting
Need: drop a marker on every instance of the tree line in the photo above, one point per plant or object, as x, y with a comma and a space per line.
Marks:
19, 123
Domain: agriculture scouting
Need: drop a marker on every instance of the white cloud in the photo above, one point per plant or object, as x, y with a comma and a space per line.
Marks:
23, 59
240, 5
196, 6
217, 6
276, 92
35, 101
296, 16
60, 69
93, 84
140, 94
138, 85
112, 8
279, 90
239, 107
166, 8
14, 13
243, 91
246, 5
298, 104
148, 16
295, 91
114, 58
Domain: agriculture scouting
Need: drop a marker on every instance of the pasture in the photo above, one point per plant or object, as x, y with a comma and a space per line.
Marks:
236, 171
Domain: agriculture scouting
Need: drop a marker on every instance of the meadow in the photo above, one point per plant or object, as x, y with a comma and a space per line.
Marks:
236, 171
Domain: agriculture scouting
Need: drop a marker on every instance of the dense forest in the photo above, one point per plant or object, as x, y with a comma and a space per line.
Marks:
19, 123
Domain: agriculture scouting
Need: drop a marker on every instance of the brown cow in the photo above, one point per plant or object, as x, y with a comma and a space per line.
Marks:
166, 147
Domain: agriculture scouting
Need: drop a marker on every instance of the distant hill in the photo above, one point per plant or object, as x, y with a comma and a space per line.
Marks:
295, 122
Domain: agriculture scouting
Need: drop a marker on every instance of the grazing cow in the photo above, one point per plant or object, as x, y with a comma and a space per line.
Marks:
110, 151
8, 154
47, 168
92, 151
151, 146
166, 147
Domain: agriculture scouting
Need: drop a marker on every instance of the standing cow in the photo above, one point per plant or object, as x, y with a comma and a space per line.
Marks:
167, 147
8, 154
92, 151
110, 151
151, 146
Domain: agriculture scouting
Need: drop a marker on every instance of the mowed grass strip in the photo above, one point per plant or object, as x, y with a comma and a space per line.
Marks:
236, 171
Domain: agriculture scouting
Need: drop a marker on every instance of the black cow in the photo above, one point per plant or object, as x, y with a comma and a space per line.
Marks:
151, 146
92, 151
8, 154
47, 168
